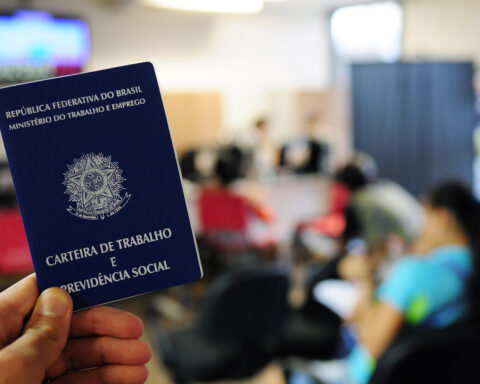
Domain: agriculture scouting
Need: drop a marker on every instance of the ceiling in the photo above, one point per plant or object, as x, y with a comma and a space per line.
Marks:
292, 6
310, 5
286, 7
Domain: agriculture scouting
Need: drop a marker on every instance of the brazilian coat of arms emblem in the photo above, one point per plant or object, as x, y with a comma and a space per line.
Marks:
94, 184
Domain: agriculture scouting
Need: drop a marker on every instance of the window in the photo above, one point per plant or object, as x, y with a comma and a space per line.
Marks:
369, 32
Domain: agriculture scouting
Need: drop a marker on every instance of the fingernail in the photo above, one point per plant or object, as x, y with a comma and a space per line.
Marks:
53, 303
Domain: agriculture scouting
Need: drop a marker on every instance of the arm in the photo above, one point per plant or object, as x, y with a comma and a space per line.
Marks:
380, 313
253, 195
378, 323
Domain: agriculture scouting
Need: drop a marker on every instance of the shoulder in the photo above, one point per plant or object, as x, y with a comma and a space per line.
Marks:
434, 280
408, 277
440, 262
453, 257
405, 272
408, 268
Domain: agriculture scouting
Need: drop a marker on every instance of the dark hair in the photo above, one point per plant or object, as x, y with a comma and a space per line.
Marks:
229, 165
260, 122
459, 200
352, 177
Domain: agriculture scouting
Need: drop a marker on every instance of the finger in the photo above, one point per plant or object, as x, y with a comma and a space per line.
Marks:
44, 337
96, 351
106, 321
109, 374
16, 303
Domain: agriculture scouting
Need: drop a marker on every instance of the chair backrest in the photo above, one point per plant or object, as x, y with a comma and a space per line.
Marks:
432, 356
245, 305
314, 274
14, 250
221, 210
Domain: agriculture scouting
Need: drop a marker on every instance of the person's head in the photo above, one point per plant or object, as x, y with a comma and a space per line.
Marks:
261, 124
352, 177
229, 165
367, 164
312, 124
452, 212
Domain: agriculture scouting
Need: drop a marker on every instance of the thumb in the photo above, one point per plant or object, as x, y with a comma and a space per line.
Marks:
44, 337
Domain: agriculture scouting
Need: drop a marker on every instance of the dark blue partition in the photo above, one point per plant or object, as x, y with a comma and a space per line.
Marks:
416, 120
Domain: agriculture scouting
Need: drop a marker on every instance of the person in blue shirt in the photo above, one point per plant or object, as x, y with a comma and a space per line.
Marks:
432, 287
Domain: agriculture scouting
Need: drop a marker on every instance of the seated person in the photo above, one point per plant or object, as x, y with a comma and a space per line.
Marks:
229, 199
379, 212
380, 219
429, 288
265, 152
380, 208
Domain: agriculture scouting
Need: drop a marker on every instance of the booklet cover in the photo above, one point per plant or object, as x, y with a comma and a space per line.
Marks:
98, 184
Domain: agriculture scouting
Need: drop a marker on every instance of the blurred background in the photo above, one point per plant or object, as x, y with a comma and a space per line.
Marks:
276, 109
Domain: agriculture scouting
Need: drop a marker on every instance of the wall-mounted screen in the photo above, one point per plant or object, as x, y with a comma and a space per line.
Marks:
38, 38
35, 44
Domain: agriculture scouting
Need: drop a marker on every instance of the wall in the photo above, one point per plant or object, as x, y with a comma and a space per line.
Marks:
442, 29
255, 62
194, 118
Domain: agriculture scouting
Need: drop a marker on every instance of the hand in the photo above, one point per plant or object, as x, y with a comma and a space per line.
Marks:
356, 269
362, 305
54, 344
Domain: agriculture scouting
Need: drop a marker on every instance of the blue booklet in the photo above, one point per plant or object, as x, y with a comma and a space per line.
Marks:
98, 184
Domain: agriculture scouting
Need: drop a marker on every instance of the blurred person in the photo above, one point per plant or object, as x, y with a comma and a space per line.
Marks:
265, 151
321, 129
433, 287
379, 213
380, 220
366, 164
231, 185
381, 207
231, 171
42, 341
371, 223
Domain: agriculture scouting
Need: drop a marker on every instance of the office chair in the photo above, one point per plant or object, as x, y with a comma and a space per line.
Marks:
235, 332
197, 164
311, 331
304, 155
439, 356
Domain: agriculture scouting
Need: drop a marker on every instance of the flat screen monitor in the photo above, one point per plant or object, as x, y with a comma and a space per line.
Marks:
36, 44
39, 38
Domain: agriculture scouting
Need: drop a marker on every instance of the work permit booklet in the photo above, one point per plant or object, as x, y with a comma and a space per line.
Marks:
98, 184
